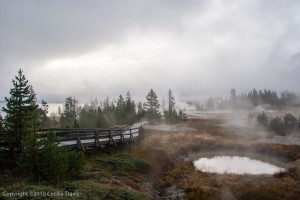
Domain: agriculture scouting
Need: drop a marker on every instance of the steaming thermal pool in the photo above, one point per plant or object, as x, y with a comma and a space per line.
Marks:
235, 165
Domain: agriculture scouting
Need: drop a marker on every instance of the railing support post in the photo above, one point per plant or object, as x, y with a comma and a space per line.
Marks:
79, 144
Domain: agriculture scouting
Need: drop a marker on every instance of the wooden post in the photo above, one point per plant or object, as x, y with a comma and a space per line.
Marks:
111, 139
131, 136
141, 133
79, 144
122, 137
97, 141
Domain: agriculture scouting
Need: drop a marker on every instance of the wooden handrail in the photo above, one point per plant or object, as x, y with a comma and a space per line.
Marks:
81, 138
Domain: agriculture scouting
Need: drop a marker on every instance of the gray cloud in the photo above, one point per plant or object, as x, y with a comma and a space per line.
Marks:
104, 48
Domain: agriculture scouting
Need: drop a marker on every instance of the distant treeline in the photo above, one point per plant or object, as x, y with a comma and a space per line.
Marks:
108, 113
250, 100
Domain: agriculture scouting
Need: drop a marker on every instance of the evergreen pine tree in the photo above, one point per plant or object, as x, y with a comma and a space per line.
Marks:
290, 122
20, 109
100, 118
36, 119
171, 114
262, 119
171, 101
120, 110
1, 123
130, 112
108, 113
43, 113
68, 117
152, 107
141, 113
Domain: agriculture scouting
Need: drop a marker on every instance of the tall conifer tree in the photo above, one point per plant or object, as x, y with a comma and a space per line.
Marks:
1, 123
130, 111
152, 107
20, 111
171, 114
68, 118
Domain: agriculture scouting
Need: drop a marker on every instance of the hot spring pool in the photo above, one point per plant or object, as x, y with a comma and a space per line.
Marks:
235, 165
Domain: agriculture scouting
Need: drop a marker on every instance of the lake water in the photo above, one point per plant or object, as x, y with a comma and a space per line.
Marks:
53, 107
235, 165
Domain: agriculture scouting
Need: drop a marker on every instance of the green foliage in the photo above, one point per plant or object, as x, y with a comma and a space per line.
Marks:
141, 113
45, 161
109, 113
130, 112
254, 98
152, 107
262, 119
20, 111
277, 125
75, 162
124, 164
288, 98
68, 118
171, 115
290, 122
123, 113
120, 110
125, 110
91, 117
182, 116
90, 190
43, 111
1, 123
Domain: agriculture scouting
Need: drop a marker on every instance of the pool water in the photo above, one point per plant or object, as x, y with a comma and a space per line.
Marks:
235, 165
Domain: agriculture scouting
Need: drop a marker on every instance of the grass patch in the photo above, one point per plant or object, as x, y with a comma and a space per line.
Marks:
270, 189
123, 164
289, 152
91, 190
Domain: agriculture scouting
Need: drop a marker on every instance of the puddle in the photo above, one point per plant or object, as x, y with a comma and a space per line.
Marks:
235, 165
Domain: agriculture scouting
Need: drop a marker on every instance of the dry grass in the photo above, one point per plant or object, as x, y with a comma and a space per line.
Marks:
167, 150
286, 152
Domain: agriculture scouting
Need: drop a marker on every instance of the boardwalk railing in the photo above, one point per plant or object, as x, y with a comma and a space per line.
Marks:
83, 138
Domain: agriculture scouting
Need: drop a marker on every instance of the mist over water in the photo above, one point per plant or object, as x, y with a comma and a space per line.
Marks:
235, 165
53, 108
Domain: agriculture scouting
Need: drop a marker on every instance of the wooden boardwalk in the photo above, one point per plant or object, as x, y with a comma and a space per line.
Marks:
96, 138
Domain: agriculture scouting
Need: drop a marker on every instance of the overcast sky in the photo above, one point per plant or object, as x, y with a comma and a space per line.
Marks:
195, 47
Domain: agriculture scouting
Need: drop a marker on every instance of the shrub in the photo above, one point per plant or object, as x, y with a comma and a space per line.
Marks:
45, 161
277, 125
262, 119
290, 122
